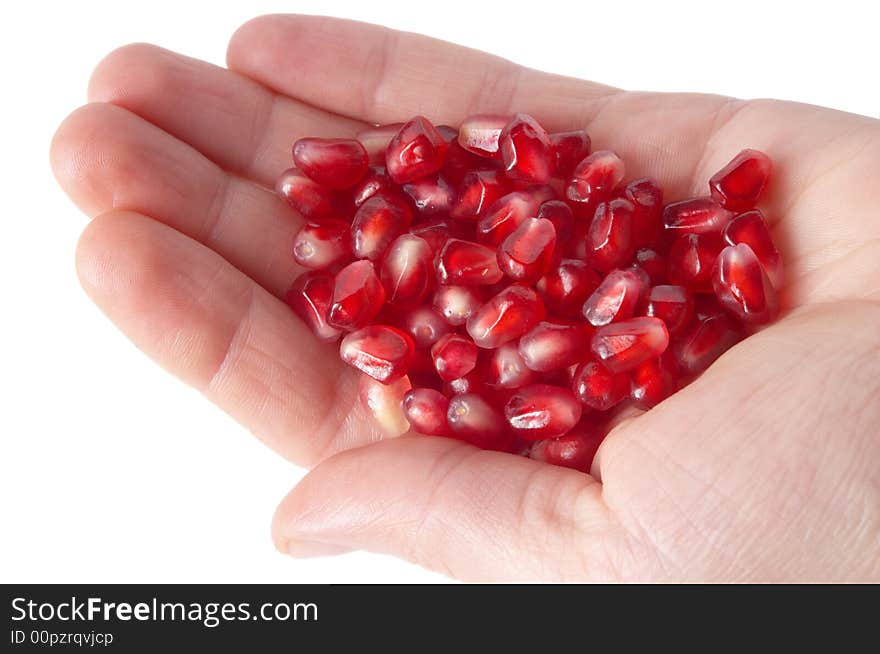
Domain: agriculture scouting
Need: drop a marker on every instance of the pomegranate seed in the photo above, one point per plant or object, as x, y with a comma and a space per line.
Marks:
593, 181
480, 134
425, 326
373, 183
407, 270
691, 258
566, 286
575, 450
652, 382
358, 297
653, 263
477, 192
609, 240
308, 198
751, 229
696, 216
384, 402
703, 342
597, 388
742, 287
559, 213
622, 346
454, 356
322, 245
505, 368
376, 139
473, 419
646, 197
457, 303
569, 149
525, 149
430, 195
426, 409
527, 253
469, 264
377, 222
332, 163
542, 411
506, 317
554, 346
310, 297
434, 231
617, 298
740, 183
417, 150
674, 305
379, 351
505, 215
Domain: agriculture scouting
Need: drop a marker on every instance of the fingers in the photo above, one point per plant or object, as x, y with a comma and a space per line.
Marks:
241, 125
212, 326
107, 158
447, 506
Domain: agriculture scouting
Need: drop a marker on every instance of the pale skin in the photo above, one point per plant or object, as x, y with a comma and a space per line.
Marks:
767, 468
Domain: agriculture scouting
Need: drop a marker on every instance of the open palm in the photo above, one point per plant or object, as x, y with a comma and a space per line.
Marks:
766, 468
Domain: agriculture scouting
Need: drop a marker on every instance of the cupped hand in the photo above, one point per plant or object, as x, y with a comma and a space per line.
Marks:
766, 468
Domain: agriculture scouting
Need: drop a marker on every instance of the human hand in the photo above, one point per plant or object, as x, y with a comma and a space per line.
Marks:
764, 469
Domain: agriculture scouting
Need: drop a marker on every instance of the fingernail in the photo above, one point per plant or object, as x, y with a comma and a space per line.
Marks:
302, 549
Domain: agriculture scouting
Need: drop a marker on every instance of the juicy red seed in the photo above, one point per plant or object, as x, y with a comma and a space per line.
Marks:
598, 388
478, 191
468, 264
576, 449
480, 133
505, 368
505, 215
434, 231
308, 198
384, 402
321, 245
526, 150
377, 222
527, 253
454, 356
426, 408
646, 197
674, 305
742, 287
690, 261
506, 317
617, 298
740, 183
703, 342
609, 240
457, 303
358, 296
594, 180
373, 183
653, 263
424, 325
376, 139
417, 150
407, 270
554, 346
569, 149
652, 382
542, 411
696, 216
559, 213
566, 286
430, 195
379, 351
471, 418
310, 297
622, 346
332, 163
751, 228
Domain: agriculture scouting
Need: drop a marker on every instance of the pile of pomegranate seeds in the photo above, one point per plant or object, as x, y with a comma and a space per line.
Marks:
507, 287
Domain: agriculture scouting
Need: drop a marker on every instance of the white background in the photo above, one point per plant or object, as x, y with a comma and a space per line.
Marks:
112, 471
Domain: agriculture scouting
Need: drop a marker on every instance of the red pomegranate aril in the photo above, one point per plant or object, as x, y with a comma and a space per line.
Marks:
653, 263
646, 197
505, 215
376, 223
457, 303
310, 297
469, 264
559, 213
434, 231
575, 450
542, 411
527, 253
742, 287
480, 133
471, 418
690, 261
379, 351
417, 150
425, 409
696, 216
566, 287
553, 346
593, 181
373, 183
358, 296
652, 382
598, 388
621, 346
700, 344
454, 356
424, 325
751, 228
321, 245
478, 191
674, 305
407, 270
310, 199
740, 183
376, 139
569, 149
506, 316
609, 239
526, 150
385, 403
430, 195
617, 298
505, 368
332, 163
